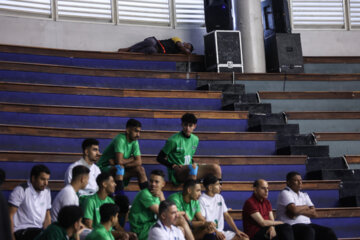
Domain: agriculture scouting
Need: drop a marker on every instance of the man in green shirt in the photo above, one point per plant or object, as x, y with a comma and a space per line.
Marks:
188, 205
122, 157
109, 217
67, 227
177, 154
145, 206
93, 203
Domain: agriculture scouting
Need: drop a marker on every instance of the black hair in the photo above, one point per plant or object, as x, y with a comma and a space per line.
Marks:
164, 205
69, 215
189, 183
79, 170
133, 123
107, 211
38, 169
123, 203
102, 177
188, 118
290, 175
158, 172
256, 183
88, 143
191, 47
209, 179
2, 176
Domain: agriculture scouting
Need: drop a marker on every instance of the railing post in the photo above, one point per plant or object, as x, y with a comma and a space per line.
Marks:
172, 13
54, 10
347, 17
115, 12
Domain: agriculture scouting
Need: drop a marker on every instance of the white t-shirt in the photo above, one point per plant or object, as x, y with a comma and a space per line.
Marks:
288, 196
92, 186
67, 196
32, 206
162, 232
213, 209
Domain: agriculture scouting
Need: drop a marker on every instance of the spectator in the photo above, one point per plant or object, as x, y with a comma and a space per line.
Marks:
5, 229
145, 206
258, 218
214, 209
151, 45
295, 208
122, 157
68, 195
30, 204
93, 203
67, 227
165, 228
188, 205
177, 154
109, 218
91, 155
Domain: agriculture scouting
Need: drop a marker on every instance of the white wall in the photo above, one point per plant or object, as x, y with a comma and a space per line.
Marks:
108, 37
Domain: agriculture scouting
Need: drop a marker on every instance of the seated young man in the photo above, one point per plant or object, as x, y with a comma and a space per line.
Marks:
93, 203
188, 205
165, 228
214, 209
122, 157
68, 195
30, 204
67, 227
91, 154
151, 45
295, 208
258, 218
109, 218
145, 206
177, 154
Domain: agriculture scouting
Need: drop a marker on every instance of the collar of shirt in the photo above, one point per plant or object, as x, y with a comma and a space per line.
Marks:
289, 189
83, 162
167, 229
34, 193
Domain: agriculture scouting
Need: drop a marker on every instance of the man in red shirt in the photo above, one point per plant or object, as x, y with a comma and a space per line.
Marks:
258, 218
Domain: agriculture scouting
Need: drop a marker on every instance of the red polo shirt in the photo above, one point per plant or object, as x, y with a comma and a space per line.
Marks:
253, 205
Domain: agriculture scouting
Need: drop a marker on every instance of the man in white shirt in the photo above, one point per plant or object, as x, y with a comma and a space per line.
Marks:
295, 208
68, 195
165, 228
29, 205
214, 209
91, 154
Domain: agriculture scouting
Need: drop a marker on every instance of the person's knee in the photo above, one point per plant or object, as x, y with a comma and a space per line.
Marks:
329, 233
217, 170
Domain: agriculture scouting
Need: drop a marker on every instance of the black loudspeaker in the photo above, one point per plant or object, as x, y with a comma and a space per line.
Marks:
223, 52
275, 15
218, 15
283, 53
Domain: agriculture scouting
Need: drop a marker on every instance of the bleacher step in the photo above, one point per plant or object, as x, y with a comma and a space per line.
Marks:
225, 88
264, 108
311, 151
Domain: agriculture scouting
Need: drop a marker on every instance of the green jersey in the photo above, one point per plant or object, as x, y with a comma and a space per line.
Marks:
141, 218
100, 232
180, 150
92, 208
189, 208
53, 232
118, 145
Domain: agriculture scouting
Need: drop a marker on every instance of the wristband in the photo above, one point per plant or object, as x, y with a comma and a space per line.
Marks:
193, 171
119, 170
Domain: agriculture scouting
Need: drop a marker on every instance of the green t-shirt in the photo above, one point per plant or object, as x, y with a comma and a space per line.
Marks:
100, 233
92, 208
180, 150
189, 208
141, 218
118, 145
53, 232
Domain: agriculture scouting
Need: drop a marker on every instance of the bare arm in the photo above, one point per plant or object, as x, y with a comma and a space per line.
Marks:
130, 162
294, 211
199, 220
182, 48
12, 211
233, 226
265, 223
154, 208
47, 220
